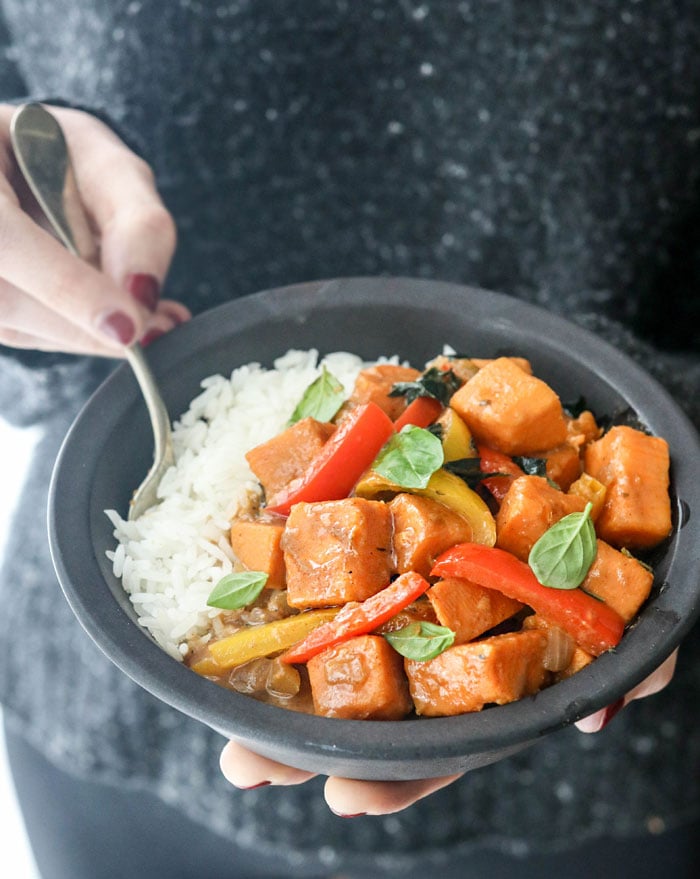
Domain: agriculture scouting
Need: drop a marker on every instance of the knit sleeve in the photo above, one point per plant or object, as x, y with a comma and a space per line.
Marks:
11, 81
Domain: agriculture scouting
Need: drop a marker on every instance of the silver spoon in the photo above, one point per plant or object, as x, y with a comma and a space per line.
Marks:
42, 155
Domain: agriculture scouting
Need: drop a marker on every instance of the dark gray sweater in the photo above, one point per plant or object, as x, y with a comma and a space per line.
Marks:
550, 150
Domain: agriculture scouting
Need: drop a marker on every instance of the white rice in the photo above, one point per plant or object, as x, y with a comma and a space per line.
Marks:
170, 559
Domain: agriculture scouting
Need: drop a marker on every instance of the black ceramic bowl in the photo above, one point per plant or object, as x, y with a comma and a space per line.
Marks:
108, 450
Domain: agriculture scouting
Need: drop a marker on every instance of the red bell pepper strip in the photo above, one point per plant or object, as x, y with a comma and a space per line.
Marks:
342, 460
420, 412
592, 624
493, 461
359, 618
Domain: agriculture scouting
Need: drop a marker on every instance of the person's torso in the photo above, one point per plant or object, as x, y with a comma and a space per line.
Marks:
548, 149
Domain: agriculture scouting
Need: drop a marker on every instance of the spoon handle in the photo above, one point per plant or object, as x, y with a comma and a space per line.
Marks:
42, 155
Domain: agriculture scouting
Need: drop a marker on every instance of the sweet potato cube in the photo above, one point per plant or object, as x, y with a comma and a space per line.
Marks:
530, 507
469, 610
286, 456
512, 411
635, 469
336, 551
373, 385
466, 367
563, 465
466, 677
424, 528
583, 429
620, 580
521, 362
257, 546
362, 679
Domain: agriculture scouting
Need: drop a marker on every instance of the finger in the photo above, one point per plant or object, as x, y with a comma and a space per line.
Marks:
6, 189
246, 770
350, 798
137, 245
656, 681
600, 719
176, 311
25, 323
160, 323
137, 233
168, 311
32, 261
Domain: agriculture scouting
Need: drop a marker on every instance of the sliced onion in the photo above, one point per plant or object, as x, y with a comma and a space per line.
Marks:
283, 680
251, 677
559, 650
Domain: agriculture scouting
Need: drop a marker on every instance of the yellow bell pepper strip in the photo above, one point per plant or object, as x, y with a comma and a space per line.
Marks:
207, 665
342, 460
594, 625
258, 641
359, 618
453, 492
421, 412
457, 442
446, 489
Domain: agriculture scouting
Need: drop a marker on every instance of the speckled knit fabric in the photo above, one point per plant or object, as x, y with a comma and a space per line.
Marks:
550, 150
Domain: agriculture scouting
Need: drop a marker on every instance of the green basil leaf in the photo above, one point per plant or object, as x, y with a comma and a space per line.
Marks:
421, 640
410, 457
437, 383
237, 590
321, 400
562, 556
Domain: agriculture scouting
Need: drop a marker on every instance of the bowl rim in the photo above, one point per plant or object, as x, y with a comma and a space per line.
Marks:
361, 748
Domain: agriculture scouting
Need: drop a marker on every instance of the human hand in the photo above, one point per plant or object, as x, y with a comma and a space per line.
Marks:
350, 798
52, 301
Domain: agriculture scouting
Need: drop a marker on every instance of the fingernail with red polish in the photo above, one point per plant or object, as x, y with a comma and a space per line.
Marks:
256, 786
354, 815
118, 326
145, 289
611, 711
151, 336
